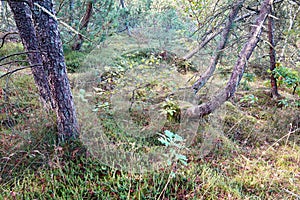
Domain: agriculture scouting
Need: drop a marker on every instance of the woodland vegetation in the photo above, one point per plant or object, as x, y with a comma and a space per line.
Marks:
149, 99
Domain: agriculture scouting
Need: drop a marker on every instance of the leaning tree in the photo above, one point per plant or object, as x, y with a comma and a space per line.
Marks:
239, 67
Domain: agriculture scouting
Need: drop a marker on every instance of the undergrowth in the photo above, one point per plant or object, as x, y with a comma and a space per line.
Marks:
255, 155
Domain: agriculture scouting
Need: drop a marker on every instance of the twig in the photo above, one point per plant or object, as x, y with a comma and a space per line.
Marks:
11, 62
17, 54
291, 193
19, 69
63, 23
3, 38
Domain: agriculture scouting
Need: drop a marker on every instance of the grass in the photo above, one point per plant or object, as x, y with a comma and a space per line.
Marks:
253, 150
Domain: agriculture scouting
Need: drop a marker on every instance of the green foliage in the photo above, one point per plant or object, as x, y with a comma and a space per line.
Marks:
172, 110
247, 77
10, 48
297, 103
104, 20
250, 98
287, 77
74, 60
284, 102
175, 143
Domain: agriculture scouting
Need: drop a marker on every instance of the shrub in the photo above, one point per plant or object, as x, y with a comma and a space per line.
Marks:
74, 60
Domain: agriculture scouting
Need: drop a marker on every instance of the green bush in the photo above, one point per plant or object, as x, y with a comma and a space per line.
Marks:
74, 60
287, 77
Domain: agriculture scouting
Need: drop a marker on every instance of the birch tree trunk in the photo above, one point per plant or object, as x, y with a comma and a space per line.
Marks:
236, 76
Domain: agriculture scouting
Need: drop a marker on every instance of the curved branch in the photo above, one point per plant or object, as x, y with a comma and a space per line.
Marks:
236, 76
18, 69
3, 38
207, 40
17, 54
225, 35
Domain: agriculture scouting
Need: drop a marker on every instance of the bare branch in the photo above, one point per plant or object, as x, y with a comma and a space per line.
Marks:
18, 69
225, 35
236, 76
17, 54
3, 38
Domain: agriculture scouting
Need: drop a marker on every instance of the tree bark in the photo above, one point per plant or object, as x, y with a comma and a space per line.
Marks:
236, 76
53, 60
71, 10
23, 19
125, 18
274, 89
214, 61
83, 26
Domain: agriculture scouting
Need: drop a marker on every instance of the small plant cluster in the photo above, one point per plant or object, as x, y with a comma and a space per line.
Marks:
74, 60
172, 110
175, 143
247, 77
250, 98
287, 77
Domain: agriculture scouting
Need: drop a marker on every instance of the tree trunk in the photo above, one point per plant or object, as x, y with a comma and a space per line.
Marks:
274, 89
125, 18
50, 42
236, 76
71, 10
23, 19
83, 26
214, 61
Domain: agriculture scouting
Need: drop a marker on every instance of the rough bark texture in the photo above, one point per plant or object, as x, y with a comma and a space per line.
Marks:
236, 76
23, 19
83, 26
274, 89
214, 61
53, 60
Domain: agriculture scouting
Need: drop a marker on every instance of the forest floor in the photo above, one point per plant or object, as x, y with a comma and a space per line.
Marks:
125, 90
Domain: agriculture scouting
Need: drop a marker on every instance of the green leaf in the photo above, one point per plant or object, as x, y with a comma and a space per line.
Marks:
169, 134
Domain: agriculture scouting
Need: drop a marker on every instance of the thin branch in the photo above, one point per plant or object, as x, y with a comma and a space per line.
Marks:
236, 76
17, 54
206, 40
3, 38
62, 22
19, 69
222, 44
12, 62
